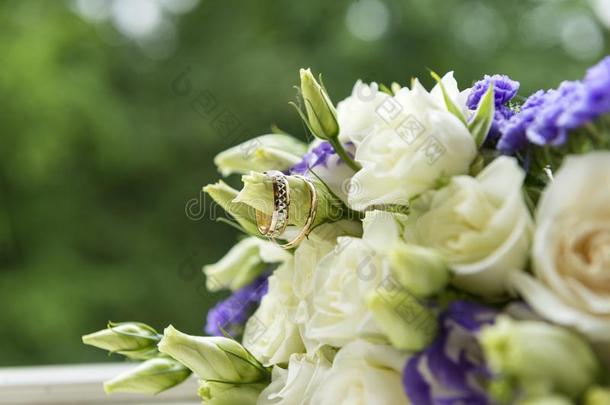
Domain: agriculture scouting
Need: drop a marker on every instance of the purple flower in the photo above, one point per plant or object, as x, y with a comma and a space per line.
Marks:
513, 135
316, 157
231, 314
597, 85
504, 90
502, 115
589, 98
548, 127
451, 370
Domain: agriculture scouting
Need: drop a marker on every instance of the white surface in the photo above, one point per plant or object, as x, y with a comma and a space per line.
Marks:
80, 384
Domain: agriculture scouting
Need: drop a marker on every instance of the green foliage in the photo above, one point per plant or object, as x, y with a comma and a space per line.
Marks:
451, 106
483, 117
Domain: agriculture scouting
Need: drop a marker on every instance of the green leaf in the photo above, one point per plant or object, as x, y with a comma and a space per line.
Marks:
453, 109
483, 117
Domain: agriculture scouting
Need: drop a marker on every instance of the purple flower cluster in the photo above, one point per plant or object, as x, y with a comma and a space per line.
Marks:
451, 370
316, 157
547, 117
231, 314
504, 90
591, 98
513, 131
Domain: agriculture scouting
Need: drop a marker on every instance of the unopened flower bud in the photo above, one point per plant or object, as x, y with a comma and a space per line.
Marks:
131, 339
321, 114
539, 356
213, 358
266, 152
221, 393
150, 377
242, 264
420, 270
223, 195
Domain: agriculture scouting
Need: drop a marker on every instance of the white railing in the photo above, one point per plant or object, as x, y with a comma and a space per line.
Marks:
80, 384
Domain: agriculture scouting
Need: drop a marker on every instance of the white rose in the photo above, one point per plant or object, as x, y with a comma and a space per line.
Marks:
417, 141
296, 384
342, 280
363, 374
481, 225
337, 311
320, 242
357, 114
271, 333
459, 98
571, 250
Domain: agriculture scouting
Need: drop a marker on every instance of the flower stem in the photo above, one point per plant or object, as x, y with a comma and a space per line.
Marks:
334, 142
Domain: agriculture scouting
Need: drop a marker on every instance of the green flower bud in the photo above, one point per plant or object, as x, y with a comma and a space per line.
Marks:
421, 271
150, 377
321, 114
257, 193
223, 195
542, 358
213, 358
222, 393
134, 340
407, 324
597, 396
242, 264
266, 152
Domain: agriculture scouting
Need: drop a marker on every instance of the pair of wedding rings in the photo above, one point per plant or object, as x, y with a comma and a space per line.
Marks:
274, 225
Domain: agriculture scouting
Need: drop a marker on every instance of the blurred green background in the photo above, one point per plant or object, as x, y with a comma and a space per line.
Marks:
113, 110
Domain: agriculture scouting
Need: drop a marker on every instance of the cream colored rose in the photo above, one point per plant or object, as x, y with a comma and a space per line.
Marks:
357, 114
481, 226
571, 252
297, 384
416, 141
342, 280
310, 252
274, 332
363, 374
336, 308
321, 241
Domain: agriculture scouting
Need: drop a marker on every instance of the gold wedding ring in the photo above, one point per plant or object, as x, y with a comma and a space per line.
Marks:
313, 208
274, 225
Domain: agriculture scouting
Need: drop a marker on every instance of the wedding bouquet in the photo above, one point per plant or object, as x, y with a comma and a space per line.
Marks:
427, 247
